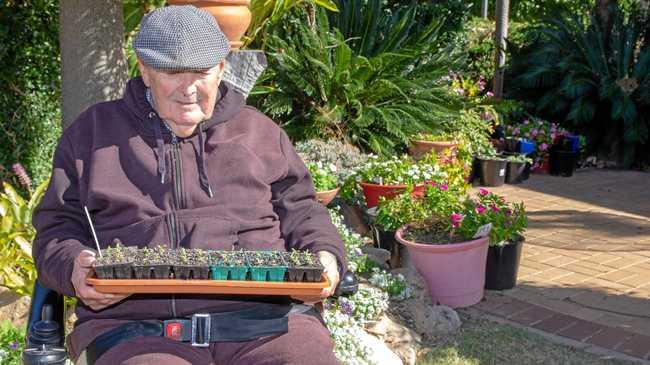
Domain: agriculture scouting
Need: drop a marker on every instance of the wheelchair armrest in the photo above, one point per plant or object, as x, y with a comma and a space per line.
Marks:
40, 297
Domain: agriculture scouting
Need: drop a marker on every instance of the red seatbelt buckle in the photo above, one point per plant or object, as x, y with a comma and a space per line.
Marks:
174, 331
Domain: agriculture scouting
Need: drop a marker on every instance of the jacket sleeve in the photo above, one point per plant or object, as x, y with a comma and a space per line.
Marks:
304, 222
60, 223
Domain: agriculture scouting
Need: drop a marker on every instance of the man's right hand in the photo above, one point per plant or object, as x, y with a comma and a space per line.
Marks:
83, 269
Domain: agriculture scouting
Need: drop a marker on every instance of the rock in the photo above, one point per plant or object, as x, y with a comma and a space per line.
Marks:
403, 341
433, 319
381, 354
14, 307
377, 255
419, 287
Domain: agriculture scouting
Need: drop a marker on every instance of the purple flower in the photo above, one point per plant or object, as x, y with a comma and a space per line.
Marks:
526, 121
14, 345
444, 187
543, 147
347, 307
23, 178
480, 209
516, 131
483, 191
490, 94
357, 251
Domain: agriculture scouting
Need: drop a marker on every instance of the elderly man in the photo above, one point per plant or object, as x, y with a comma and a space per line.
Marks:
181, 161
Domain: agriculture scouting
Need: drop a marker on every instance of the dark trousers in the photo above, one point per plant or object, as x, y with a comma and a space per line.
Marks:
307, 342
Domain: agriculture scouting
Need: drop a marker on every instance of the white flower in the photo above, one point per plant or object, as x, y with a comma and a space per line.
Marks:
333, 167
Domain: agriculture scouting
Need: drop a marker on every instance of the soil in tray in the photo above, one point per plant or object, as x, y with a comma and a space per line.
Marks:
190, 264
303, 266
115, 262
152, 263
228, 265
266, 265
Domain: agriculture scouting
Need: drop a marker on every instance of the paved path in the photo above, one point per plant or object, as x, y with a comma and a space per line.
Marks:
585, 270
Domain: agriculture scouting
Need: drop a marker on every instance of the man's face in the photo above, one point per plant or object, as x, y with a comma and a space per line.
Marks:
183, 99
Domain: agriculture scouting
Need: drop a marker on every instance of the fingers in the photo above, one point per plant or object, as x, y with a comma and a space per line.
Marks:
86, 258
97, 300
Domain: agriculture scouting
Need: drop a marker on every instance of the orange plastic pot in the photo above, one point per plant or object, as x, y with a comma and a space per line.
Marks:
419, 148
233, 16
325, 197
372, 192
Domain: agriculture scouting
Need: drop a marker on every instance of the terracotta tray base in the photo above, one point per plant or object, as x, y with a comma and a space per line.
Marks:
300, 290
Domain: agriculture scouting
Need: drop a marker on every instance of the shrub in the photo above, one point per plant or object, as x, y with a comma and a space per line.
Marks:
597, 82
316, 88
30, 117
346, 158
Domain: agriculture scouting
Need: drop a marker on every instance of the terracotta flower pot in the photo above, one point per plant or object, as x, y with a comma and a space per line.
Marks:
455, 273
233, 16
372, 192
325, 197
419, 148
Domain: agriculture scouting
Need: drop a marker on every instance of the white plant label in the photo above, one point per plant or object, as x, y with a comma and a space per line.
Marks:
502, 172
483, 230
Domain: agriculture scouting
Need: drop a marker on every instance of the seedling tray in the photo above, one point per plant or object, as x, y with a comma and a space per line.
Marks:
301, 290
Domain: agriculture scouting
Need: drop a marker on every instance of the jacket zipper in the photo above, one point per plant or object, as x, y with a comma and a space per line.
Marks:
178, 200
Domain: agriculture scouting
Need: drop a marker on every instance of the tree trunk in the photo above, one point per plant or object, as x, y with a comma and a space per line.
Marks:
93, 65
501, 33
604, 12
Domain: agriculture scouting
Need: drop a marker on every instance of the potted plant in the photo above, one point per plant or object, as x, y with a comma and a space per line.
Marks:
443, 144
448, 252
152, 263
190, 264
325, 182
492, 167
516, 168
390, 177
115, 262
233, 16
303, 266
266, 265
508, 222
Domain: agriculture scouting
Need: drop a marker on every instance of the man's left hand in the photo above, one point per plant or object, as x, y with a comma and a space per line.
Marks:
331, 271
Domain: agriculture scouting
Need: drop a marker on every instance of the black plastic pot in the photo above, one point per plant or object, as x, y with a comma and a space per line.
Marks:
114, 271
152, 271
196, 272
515, 172
502, 266
511, 144
493, 172
304, 273
563, 163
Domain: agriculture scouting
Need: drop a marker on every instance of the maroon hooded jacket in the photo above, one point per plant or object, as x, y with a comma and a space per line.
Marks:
236, 183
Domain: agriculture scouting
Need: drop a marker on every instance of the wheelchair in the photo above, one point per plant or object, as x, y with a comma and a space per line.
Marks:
44, 343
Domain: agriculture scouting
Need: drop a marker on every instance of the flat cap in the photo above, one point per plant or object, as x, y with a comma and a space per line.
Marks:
179, 39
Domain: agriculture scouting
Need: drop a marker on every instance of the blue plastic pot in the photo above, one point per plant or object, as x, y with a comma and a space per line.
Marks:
526, 147
573, 142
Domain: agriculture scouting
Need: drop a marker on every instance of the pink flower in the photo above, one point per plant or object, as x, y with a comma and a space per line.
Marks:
483, 191
490, 94
509, 127
456, 218
444, 187
515, 132
526, 121
495, 208
543, 147
480, 209
459, 91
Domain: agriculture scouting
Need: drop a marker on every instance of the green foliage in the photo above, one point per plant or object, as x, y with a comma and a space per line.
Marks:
270, 11
597, 81
11, 343
344, 157
535, 10
30, 119
316, 88
373, 27
323, 175
17, 270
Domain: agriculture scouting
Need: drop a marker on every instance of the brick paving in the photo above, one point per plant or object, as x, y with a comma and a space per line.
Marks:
585, 269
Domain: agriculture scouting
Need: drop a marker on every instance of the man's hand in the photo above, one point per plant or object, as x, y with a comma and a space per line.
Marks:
331, 270
82, 269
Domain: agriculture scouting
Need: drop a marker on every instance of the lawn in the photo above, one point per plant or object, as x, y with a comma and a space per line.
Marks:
481, 341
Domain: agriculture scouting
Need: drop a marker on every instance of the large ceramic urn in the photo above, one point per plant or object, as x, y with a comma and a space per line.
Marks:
233, 16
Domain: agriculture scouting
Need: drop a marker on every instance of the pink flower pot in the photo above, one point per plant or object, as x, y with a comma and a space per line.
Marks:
455, 273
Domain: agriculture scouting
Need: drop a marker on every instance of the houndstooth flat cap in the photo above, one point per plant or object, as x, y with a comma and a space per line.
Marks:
180, 38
